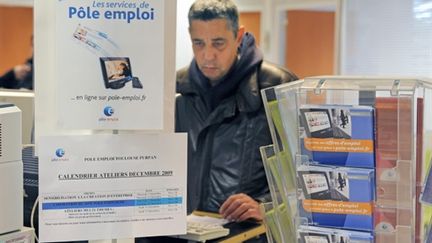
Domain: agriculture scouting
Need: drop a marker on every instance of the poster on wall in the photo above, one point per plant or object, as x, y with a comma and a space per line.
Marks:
126, 186
110, 64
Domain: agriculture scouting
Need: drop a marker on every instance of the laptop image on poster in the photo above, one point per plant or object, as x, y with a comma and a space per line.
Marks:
117, 71
316, 185
326, 123
317, 123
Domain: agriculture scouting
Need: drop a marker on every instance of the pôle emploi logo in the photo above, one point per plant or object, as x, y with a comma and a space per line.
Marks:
59, 155
108, 111
59, 152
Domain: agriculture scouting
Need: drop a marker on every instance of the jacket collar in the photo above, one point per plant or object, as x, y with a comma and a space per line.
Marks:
247, 96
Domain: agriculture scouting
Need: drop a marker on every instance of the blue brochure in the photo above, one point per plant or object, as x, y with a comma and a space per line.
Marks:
426, 194
337, 196
338, 135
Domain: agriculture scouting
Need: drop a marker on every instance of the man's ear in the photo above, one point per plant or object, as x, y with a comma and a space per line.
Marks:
240, 34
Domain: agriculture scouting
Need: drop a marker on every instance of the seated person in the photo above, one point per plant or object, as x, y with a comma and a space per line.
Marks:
19, 77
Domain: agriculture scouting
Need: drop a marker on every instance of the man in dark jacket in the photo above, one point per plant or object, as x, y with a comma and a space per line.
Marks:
221, 109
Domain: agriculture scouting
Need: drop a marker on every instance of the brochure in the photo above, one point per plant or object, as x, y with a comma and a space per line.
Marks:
338, 135
337, 196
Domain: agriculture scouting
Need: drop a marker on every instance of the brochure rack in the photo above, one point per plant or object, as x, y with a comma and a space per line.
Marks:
350, 151
280, 171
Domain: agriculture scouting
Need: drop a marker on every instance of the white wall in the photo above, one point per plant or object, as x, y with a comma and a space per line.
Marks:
387, 37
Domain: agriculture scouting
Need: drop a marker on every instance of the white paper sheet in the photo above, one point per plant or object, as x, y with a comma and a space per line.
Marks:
111, 186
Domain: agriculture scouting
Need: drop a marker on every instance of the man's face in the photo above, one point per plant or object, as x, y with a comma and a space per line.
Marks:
214, 46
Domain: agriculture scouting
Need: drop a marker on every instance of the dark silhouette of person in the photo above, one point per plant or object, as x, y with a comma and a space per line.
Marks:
20, 76
344, 119
341, 182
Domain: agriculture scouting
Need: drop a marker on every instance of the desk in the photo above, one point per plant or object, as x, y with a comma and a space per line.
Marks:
25, 235
239, 232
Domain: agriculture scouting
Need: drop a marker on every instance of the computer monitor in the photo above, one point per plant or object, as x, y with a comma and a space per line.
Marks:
116, 71
317, 123
315, 184
24, 100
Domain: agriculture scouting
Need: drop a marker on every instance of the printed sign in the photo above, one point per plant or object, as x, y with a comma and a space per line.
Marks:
110, 64
122, 186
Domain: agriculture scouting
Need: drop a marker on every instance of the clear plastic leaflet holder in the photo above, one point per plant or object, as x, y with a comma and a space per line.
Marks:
272, 226
279, 218
340, 129
280, 169
283, 163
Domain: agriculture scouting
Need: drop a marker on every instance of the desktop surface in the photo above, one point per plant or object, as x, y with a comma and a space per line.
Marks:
239, 231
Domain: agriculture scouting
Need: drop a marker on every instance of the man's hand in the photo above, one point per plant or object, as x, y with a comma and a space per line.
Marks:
240, 207
21, 71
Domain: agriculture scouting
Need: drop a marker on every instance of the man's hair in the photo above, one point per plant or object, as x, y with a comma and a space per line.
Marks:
207, 10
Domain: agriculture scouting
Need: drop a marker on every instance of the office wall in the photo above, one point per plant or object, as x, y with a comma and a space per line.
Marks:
310, 42
386, 37
16, 28
183, 44
252, 23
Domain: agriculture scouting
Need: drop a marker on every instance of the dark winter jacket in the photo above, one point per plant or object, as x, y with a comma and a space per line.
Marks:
226, 125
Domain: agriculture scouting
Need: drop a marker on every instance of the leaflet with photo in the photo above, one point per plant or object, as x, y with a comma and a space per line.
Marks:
337, 196
338, 135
